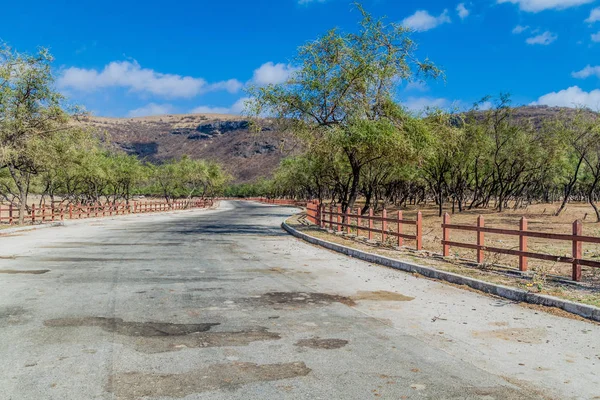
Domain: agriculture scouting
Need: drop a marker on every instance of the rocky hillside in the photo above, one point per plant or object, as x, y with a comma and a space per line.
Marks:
225, 139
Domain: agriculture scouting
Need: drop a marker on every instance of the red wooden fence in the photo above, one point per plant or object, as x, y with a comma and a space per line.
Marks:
281, 202
329, 216
45, 213
576, 238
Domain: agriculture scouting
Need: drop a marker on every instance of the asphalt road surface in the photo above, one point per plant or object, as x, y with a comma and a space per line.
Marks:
223, 304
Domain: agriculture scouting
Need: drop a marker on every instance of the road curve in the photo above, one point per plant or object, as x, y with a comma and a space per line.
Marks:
222, 304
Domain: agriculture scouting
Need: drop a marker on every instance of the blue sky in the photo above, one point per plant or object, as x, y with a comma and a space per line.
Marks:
123, 58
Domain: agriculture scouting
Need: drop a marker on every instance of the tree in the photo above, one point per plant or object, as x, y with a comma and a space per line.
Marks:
31, 112
342, 95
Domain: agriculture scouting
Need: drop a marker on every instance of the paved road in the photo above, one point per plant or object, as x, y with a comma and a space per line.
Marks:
224, 305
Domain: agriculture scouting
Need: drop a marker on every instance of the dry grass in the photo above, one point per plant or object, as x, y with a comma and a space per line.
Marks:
540, 218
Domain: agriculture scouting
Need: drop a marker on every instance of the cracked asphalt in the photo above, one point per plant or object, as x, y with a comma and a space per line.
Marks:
222, 304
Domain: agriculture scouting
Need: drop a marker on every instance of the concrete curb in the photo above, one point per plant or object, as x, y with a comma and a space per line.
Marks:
18, 229
583, 310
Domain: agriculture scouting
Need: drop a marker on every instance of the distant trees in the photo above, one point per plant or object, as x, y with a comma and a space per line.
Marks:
463, 160
43, 149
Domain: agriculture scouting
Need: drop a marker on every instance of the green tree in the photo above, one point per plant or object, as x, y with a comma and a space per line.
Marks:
31, 112
341, 98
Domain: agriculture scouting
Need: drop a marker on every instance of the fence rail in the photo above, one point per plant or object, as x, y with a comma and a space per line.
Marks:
576, 238
281, 202
48, 213
324, 216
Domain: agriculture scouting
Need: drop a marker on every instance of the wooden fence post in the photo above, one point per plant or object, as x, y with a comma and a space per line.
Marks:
10, 214
348, 230
383, 225
523, 244
358, 221
43, 213
371, 223
32, 213
400, 228
339, 218
419, 230
480, 239
446, 235
330, 217
577, 250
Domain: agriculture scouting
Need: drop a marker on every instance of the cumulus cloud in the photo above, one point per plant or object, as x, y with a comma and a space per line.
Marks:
271, 73
151, 109
571, 97
462, 11
130, 75
594, 16
519, 29
541, 5
587, 72
236, 108
596, 37
543, 39
418, 86
422, 21
421, 103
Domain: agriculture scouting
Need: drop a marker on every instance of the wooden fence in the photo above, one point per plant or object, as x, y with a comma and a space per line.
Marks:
281, 202
576, 238
44, 213
382, 226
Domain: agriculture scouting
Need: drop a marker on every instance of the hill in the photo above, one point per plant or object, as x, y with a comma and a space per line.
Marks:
225, 139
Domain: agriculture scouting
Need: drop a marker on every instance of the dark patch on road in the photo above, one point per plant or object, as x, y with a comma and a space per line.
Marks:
24, 271
8, 257
203, 340
381, 295
12, 315
305, 298
143, 329
325, 344
72, 245
88, 259
135, 385
158, 337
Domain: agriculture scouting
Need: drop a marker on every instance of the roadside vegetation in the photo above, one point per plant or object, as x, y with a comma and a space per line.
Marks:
45, 151
344, 103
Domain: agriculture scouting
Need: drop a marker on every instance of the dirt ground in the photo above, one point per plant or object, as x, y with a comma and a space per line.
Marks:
543, 276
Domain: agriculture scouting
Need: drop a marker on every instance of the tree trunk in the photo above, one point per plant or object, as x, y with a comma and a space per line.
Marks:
353, 188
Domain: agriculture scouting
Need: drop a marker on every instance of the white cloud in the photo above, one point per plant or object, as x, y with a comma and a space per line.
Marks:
462, 11
587, 72
596, 37
541, 5
422, 21
544, 39
519, 29
594, 16
151, 109
311, 1
571, 97
270, 73
236, 108
419, 86
130, 75
421, 103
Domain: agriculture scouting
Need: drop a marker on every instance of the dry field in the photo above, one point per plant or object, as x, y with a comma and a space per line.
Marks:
540, 218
